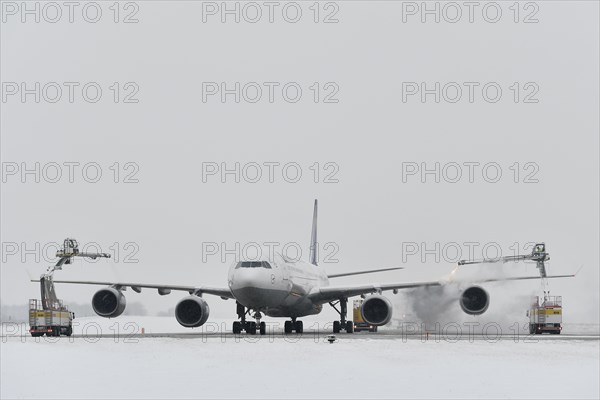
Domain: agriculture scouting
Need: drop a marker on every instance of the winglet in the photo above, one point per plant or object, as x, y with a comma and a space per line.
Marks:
313, 238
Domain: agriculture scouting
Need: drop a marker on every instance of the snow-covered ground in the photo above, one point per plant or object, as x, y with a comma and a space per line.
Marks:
273, 367
127, 325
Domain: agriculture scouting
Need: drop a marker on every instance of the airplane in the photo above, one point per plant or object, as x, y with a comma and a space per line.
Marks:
284, 288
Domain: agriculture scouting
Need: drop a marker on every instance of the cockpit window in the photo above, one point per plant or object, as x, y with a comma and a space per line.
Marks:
253, 264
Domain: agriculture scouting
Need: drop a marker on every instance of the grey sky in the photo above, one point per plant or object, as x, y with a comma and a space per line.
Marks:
368, 134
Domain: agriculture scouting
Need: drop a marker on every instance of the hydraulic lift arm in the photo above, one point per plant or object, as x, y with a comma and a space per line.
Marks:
66, 254
538, 255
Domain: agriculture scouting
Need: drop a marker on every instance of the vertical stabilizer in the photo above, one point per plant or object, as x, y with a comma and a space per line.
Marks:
313, 238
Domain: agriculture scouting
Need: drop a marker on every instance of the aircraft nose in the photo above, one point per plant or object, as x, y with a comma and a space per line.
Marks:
253, 287
246, 278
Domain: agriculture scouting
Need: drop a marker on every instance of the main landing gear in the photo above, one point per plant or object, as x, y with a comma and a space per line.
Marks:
342, 324
249, 326
293, 325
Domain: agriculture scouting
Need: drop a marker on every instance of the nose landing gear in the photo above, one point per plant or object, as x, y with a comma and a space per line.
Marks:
293, 325
262, 327
249, 326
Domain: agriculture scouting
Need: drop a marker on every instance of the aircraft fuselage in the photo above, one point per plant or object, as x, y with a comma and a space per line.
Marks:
276, 286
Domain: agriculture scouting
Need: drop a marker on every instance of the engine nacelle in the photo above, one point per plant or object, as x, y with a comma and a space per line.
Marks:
474, 300
109, 302
376, 310
192, 311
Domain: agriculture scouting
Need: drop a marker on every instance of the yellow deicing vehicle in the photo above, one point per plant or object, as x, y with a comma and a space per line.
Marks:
545, 316
49, 316
359, 322
54, 320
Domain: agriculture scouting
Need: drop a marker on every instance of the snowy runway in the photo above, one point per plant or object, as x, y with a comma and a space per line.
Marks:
275, 367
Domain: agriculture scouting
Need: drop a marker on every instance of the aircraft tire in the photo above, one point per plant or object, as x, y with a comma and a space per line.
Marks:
336, 326
287, 327
349, 327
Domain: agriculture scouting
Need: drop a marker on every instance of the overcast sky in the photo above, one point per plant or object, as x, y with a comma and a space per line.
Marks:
360, 117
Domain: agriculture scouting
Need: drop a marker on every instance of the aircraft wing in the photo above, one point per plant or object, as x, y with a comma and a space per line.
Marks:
362, 272
224, 293
331, 293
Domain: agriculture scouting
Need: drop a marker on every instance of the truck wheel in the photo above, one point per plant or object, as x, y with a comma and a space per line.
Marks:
287, 327
69, 331
531, 329
263, 328
299, 327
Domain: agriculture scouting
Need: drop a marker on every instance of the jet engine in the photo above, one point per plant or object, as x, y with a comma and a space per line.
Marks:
376, 310
109, 302
474, 300
192, 311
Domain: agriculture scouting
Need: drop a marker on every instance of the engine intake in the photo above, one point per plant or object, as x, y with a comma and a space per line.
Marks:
376, 310
192, 311
109, 302
474, 300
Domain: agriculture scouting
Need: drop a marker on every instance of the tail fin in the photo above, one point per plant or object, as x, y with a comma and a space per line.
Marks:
313, 238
